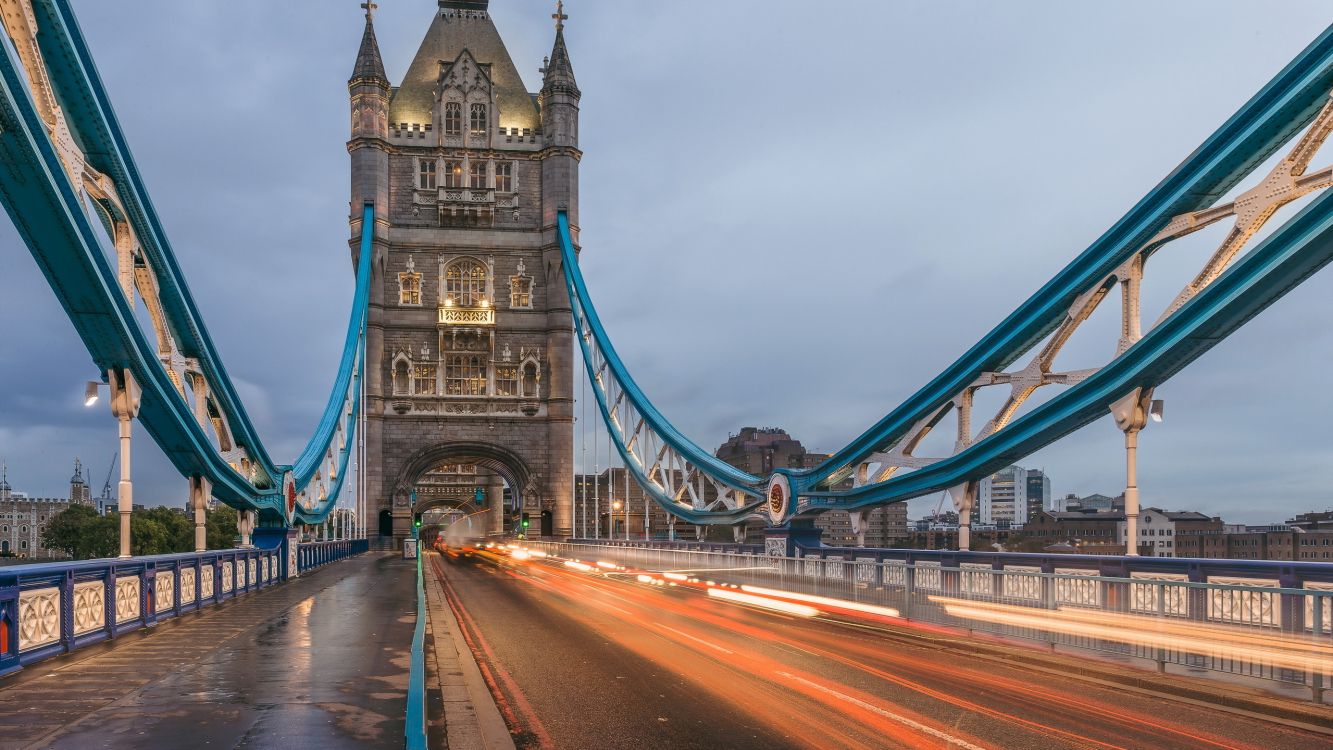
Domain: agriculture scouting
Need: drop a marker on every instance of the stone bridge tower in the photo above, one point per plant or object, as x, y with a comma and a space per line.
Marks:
470, 336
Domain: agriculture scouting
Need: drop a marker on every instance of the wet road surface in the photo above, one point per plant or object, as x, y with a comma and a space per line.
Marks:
586, 660
319, 662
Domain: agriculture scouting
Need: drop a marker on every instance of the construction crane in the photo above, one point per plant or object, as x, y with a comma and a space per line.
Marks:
106, 498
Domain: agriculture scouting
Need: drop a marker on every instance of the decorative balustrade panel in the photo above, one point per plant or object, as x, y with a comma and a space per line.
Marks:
189, 579
929, 577
39, 618
1158, 599
1078, 592
206, 581
89, 606
1019, 585
128, 596
976, 579
228, 577
1242, 606
165, 582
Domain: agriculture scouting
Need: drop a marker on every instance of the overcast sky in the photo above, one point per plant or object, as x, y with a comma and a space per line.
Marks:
870, 184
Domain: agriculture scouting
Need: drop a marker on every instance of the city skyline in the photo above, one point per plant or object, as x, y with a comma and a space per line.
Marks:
741, 233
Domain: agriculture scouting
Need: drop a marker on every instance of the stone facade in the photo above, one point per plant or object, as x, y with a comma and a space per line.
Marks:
24, 518
470, 336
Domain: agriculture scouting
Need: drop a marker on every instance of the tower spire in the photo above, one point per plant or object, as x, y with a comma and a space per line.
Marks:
558, 71
369, 64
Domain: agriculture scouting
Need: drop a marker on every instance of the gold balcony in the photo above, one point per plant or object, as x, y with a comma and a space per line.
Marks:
453, 315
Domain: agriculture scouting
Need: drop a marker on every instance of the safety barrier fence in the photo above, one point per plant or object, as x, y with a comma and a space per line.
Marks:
1249, 626
313, 555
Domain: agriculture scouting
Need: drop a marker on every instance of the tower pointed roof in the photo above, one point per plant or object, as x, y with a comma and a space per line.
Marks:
462, 25
559, 70
369, 64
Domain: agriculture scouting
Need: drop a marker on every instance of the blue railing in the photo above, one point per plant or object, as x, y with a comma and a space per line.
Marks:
55, 608
50, 609
317, 554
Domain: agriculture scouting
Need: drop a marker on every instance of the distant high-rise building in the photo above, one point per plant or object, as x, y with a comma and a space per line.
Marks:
1003, 497
1038, 493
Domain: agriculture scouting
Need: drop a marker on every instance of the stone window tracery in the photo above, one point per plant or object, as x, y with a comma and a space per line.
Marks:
453, 174
409, 289
465, 375
426, 174
506, 380
504, 177
465, 283
453, 119
520, 292
476, 173
478, 119
423, 379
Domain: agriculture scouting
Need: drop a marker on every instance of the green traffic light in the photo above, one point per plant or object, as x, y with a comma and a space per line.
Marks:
525, 523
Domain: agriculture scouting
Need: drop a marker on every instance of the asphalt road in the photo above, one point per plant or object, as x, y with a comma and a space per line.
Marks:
586, 659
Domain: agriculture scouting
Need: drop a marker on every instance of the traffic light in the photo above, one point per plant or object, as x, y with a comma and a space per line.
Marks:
525, 522
416, 521
479, 495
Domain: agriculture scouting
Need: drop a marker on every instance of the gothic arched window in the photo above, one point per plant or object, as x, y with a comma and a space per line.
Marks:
465, 375
453, 118
480, 124
465, 284
409, 289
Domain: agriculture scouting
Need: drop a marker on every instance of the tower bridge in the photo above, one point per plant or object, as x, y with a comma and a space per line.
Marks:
469, 333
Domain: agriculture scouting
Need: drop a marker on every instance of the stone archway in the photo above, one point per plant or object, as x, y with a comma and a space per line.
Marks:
493, 459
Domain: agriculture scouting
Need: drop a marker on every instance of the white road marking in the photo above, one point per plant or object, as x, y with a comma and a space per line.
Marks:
918, 726
696, 640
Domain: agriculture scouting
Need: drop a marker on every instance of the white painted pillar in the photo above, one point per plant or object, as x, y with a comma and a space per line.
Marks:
245, 524
860, 525
1131, 416
125, 397
200, 491
964, 500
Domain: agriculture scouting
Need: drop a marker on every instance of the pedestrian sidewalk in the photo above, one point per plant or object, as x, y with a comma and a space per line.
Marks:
455, 686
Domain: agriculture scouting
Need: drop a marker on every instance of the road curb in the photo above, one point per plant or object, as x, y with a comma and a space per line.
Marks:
472, 720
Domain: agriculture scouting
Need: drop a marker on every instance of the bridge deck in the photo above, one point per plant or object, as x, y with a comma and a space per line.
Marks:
319, 662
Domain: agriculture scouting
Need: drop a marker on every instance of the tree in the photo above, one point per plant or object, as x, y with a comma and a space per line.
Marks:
81, 533
221, 525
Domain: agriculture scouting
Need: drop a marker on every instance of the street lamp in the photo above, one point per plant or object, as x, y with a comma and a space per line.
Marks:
1155, 410
91, 392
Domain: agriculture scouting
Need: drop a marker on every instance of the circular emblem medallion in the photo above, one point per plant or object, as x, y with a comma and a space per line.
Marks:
779, 498
289, 494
